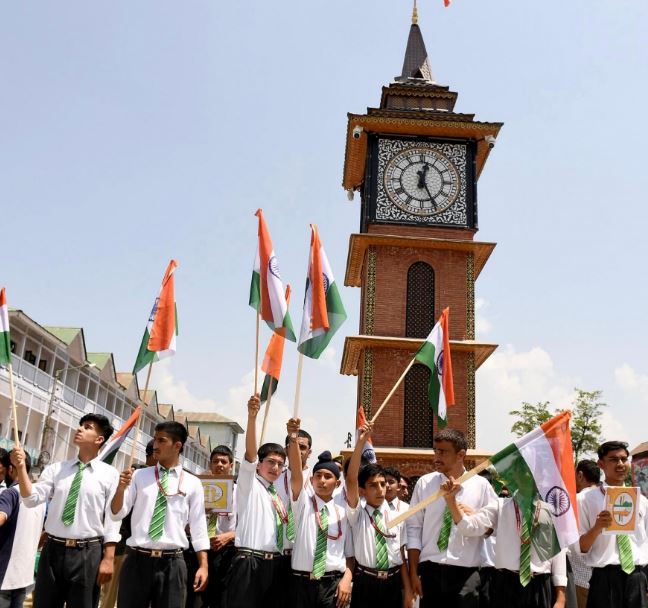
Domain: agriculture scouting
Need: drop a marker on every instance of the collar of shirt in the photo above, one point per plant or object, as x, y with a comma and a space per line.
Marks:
330, 505
176, 469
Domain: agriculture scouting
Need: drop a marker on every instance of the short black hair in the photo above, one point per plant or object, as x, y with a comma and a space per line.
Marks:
270, 448
611, 446
223, 450
301, 433
393, 472
175, 430
347, 461
369, 471
148, 450
5, 461
456, 438
105, 428
590, 471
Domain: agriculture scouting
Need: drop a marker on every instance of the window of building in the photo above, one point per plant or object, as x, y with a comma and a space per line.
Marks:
418, 424
419, 319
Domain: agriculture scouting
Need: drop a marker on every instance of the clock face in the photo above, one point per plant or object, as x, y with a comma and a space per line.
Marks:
421, 181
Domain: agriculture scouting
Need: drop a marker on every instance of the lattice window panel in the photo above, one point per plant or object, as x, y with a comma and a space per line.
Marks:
420, 300
419, 425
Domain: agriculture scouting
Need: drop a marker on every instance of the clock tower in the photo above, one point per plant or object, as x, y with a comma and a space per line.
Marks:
415, 163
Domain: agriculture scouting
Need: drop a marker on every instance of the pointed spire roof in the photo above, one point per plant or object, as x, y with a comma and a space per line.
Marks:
415, 64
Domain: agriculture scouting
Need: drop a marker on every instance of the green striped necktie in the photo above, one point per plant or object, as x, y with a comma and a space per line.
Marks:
279, 535
159, 511
69, 510
625, 553
525, 551
444, 533
319, 563
382, 557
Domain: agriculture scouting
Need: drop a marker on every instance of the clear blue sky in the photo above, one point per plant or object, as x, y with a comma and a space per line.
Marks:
136, 132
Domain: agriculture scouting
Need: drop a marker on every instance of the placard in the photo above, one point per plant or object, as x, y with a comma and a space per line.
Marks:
622, 502
219, 493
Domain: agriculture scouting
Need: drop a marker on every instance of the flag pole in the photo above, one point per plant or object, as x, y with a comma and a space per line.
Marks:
438, 494
393, 390
138, 428
300, 366
265, 414
14, 410
256, 356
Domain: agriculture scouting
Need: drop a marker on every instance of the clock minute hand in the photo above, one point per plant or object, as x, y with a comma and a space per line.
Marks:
430, 195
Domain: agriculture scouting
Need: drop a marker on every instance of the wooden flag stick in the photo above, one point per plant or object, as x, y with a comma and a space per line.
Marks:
256, 357
14, 410
393, 390
300, 365
265, 414
138, 428
438, 494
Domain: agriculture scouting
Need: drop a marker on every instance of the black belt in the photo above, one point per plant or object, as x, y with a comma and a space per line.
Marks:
379, 574
158, 552
309, 575
287, 552
262, 554
76, 542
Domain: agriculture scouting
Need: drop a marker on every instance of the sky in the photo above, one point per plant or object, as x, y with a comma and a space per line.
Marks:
137, 132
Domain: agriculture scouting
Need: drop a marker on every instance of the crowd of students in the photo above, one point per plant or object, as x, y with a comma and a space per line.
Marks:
301, 536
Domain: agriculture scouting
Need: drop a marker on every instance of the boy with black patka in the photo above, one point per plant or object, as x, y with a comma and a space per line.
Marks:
617, 560
254, 579
165, 499
381, 577
321, 572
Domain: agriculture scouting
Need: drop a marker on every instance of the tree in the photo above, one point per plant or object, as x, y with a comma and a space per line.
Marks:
530, 416
585, 422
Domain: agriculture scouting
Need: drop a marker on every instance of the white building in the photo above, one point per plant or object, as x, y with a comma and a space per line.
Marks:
55, 375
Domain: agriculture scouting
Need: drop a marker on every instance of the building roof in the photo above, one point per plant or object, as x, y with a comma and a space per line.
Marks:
165, 408
640, 449
99, 359
209, 417
416, 64
124, 378
147, 396
65, 334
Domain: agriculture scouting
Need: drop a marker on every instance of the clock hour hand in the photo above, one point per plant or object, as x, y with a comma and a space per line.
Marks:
421, 175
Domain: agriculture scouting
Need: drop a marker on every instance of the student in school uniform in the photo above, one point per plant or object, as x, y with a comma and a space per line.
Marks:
403, 489
381, 577
321, 572
221, 528
254, 579
79, 553
617, 560
444, 564
392, 480
164, 499
523, 577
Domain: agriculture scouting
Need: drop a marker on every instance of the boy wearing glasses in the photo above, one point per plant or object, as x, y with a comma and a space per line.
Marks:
617, 560
164, 499
261, 516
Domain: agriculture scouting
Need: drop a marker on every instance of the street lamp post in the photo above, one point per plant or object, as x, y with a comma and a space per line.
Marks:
47, 441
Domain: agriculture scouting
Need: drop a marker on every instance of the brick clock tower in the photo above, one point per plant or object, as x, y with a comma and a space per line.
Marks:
415, 162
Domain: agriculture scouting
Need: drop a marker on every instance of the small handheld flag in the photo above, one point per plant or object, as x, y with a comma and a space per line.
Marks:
367, 450
111, 447
5, 338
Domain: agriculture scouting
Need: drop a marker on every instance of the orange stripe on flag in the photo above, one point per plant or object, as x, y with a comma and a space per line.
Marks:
558, 435
3, 297
448, 384
319, 315
164, 324
274, 353
265, 250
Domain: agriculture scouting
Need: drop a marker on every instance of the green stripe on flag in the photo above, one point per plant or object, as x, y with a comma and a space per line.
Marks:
269, 386
255, 292
144, 356
5, 348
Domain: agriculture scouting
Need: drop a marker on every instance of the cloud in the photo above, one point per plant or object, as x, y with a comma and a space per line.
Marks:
482, 324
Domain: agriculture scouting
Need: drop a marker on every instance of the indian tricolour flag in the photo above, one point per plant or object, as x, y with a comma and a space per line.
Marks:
5, 339
323, 310
110, 449
540, 466
435, 354
266, 289
272, 361
159, 340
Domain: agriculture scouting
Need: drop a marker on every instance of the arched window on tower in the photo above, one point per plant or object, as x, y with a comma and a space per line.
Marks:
418, 428
419, 318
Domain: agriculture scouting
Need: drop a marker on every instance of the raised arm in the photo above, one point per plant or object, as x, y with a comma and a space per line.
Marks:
294, 458
354, 466
254, 404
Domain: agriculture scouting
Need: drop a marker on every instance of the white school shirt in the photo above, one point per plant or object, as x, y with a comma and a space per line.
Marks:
423, 527
306, 532
141, 496
92, 516
284, 491
501, 516
603, 551
256, 526
364, 535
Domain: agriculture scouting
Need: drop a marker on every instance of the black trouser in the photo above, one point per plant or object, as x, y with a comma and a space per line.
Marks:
611, 587
68, 575
191, 561
307, 593
370, 591
158, 581
508, 591
255, 582
486, 576
219, 563
449, 586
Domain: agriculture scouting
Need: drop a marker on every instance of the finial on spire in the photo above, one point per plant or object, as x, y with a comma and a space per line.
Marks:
414, 14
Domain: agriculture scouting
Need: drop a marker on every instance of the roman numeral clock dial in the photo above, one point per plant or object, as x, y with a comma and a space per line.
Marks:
421, 181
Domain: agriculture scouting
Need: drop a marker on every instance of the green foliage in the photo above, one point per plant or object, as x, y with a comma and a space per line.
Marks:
530, 416
585, 423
